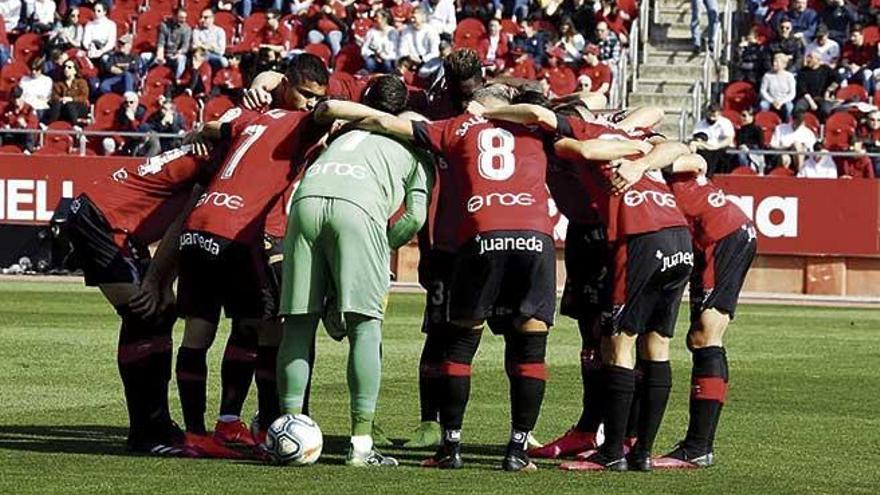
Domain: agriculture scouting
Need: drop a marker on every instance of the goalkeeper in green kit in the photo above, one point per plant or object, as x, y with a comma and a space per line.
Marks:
337, 255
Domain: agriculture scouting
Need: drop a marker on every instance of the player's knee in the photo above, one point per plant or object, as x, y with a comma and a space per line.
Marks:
525, 355
460, 351
653, 347
709, 332
198, 333
617, 350
532, 325
464, 325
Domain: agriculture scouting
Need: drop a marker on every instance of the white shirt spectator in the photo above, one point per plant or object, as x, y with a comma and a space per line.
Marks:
212, 39
818, 167
492, 51
716, 132
99, 37
11, 12
44, 11
442, 15
381, 43
36, 91
784, 137
828, 53
420, 45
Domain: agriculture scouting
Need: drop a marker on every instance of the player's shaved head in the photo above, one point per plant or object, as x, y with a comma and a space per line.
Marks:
386, 93
493, 95
533, 98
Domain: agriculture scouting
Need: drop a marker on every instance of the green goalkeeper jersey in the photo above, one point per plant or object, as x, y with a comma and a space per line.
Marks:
375, 172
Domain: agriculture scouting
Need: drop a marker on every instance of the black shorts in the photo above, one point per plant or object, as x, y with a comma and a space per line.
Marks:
506, 277
217, 273
95, 250
587, 286
273, 248
440, 265
720, 270
650, 272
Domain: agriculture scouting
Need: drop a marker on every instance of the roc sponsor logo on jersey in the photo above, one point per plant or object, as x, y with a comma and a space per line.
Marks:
195, 239
531, 243
335, 168
223, 200
477, 202
634, 198
675, 259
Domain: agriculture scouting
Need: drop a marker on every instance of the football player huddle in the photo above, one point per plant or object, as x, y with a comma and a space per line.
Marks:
283, 213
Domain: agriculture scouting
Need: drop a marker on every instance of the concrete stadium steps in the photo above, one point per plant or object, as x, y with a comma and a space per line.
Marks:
668, 72
664, 86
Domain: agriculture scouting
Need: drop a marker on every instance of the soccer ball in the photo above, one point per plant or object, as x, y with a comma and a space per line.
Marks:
294, 439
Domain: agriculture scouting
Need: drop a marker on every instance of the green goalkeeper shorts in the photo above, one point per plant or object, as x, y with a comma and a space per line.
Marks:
336, 260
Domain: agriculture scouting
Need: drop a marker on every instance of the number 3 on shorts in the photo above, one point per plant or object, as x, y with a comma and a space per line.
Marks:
496, 154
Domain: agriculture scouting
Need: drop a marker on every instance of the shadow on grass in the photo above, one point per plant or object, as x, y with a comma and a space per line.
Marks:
72, 439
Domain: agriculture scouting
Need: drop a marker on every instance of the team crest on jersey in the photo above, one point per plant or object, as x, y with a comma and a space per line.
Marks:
120, 175
717, 199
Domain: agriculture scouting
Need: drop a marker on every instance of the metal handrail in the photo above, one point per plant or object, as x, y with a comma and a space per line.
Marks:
842, 154
634, 42
79, 137
728, 31
682, 122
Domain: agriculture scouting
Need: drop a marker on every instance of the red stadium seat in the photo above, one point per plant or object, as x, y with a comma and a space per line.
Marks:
871, 34
349, 59
252, 25
158, 79
734, 117
10, 74
631, 7
321, 51
509, 27
189, 108
57, 144
122, 19
10, 149
86, 13
781, 172
297, 29
194, 10
739, 96
811, 121
216, 107
839, 127
562, 80
27, 47
852, 92
767, 121
468, 33
147, 32
228, 22
743, 170
105, 111
165, 6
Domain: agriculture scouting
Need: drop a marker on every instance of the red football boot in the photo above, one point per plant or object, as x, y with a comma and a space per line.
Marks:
208, 446
572, 442
681, 458
233, 433
596, 462
627, 446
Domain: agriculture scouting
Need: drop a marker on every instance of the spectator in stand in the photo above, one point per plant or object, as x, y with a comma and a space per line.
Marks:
616, 19
175, 39
493, 48
816, 84
795, 136
749, 137
70, 97
787, 44
818, 166
10, 11
228, 80
275, 36
598, 73
37, 87
441, 15
5, 52
18, 115
166, 120
839, 17
804, 20
516, 9
42, 18
121, 69
824, 47
712, 137
130, 117
532, 42
778, 88
869, 135
609, 45
246, 7
570, 41
90, 3
856, 60
99, 34
855, 167
362, 24
712, 14
380, 46
68, 33
326, 23
750, 56
478, 9
522, 66
211, 38
401, 13
197, 78
420, 42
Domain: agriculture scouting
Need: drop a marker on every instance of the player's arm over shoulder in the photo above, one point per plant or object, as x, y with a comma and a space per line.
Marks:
526, 114
331, 110
418, 191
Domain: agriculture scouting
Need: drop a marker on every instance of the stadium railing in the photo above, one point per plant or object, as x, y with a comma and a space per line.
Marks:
80, 136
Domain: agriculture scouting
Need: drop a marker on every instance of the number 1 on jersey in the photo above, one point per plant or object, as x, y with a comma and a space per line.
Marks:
253, 133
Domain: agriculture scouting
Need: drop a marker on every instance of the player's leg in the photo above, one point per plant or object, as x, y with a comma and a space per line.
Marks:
236, 374
268, 403
653, 392
293, 367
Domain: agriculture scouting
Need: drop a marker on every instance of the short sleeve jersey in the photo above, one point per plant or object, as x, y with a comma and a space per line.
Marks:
648, 206
266, 152
143, 198
498, 171
370, 170
712, 216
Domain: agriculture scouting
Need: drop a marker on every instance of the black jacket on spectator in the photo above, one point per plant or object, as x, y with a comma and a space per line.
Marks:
750, 135
128, 63
176, 126
814, 82
534, 46
791, 46
838, 19
750, 63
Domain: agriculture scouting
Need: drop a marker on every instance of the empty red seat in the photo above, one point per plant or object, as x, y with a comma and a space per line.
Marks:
468, 33
781, 172
106, 107
10, 149
27, 47
349, 59
767, 121
509, 27
839, 128
57, 144
158, 79
228, 22
734, 117
147, 32
10, 74
739, 96
194, 10
216, 107
811, 121
189, 108
321, 51
852, 92
743, 170
871, 34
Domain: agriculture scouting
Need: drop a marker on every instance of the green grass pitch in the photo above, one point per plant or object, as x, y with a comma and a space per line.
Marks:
803, 414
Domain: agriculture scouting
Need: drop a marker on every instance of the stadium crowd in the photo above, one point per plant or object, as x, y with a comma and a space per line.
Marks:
165, 65
806, 80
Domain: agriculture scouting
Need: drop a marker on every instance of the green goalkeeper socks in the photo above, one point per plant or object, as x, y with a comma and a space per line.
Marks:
293, 361
364, 371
